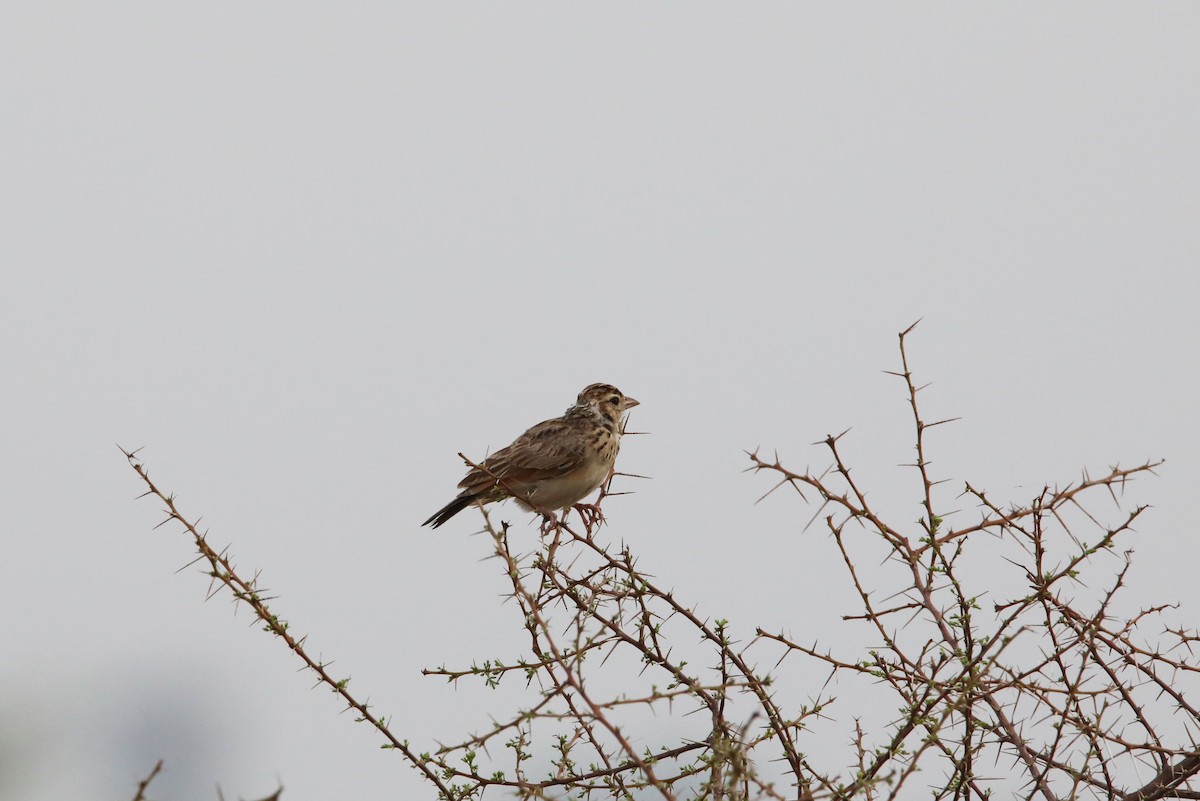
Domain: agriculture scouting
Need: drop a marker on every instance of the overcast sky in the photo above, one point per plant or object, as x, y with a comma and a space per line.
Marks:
305, 253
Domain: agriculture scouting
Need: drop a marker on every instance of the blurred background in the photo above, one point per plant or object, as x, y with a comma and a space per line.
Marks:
304, 254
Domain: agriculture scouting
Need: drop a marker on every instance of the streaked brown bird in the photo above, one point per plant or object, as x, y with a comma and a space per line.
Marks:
555, 464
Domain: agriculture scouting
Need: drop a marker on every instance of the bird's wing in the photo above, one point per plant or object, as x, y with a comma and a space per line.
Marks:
549, 449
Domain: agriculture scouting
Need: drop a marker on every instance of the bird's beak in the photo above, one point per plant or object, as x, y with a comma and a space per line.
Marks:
629, 404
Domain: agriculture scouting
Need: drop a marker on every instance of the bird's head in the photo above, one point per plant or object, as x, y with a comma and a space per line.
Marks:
605, 399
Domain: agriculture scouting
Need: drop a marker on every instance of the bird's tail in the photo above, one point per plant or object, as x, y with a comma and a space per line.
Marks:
450, 510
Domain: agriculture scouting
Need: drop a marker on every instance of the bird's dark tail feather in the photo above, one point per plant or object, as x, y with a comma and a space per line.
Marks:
450, 510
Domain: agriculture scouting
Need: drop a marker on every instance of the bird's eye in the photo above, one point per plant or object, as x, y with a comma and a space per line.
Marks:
614, 400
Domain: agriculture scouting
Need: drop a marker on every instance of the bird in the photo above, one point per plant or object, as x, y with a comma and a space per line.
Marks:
555, 464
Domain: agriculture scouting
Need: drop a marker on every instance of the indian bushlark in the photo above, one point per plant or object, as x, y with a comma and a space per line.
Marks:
553, 465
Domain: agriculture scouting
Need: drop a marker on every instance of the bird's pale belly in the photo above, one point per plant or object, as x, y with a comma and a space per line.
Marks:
569, 489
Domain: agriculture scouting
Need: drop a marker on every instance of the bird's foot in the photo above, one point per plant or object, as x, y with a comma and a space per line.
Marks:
549, 522
590, 514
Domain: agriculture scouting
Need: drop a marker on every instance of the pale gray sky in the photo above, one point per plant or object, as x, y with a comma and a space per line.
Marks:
305, 253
